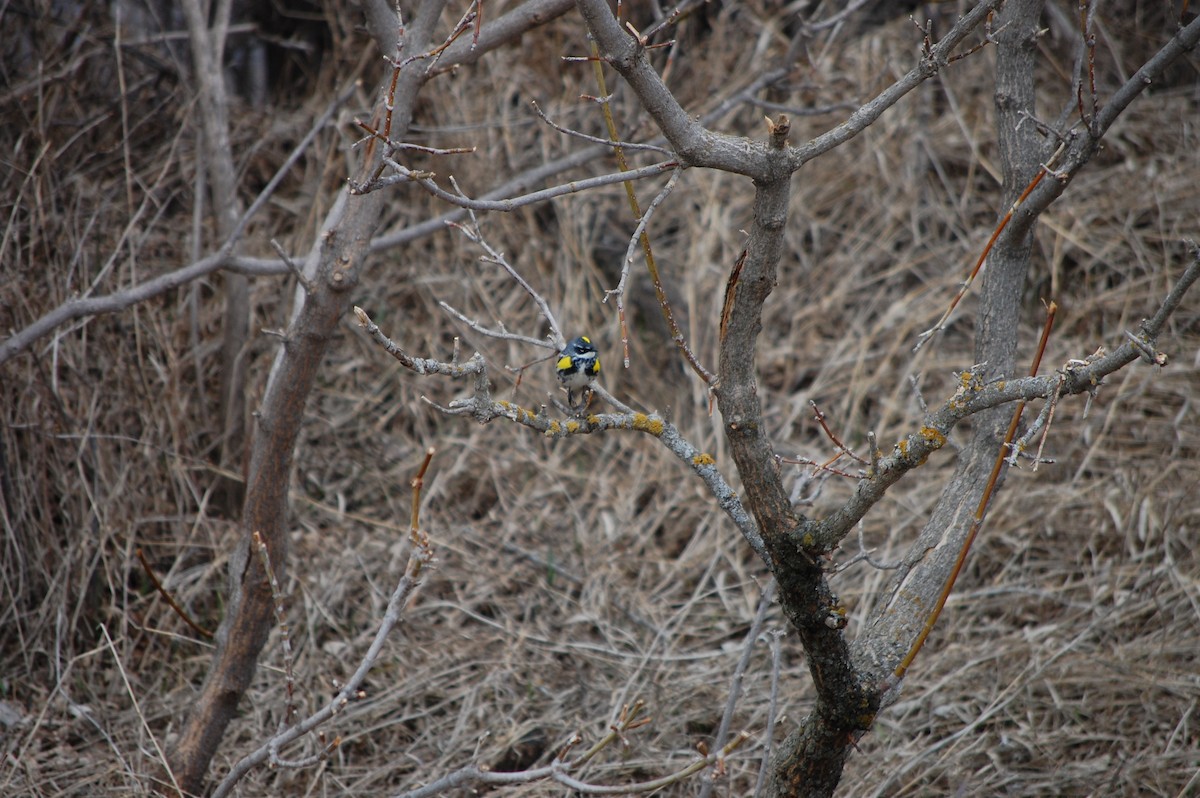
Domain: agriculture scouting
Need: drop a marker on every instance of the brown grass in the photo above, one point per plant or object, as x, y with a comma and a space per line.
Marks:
578, 575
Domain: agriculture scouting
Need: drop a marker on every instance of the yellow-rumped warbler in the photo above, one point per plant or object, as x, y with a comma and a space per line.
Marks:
578, 365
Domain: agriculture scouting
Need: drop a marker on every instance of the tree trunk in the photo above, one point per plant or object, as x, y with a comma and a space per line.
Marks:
244, 631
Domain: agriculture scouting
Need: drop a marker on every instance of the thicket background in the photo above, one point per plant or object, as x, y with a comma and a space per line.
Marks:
576, 575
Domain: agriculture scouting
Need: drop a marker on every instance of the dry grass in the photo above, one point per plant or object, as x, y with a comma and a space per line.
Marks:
578, 575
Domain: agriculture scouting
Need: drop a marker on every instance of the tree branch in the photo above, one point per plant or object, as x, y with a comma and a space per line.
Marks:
483, 408
1083, 144
938, 57
698, 146
898, 619
507, 205
223, 259
974, 396
500, 31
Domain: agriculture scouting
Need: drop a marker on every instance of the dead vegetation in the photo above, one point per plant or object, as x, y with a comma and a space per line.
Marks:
575, 576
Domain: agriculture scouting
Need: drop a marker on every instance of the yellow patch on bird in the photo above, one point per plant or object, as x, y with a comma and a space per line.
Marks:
596, 368
564, 362
585, 339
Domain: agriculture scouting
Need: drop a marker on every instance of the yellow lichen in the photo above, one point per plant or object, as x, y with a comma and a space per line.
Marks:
933, 436
645, 423
703, 459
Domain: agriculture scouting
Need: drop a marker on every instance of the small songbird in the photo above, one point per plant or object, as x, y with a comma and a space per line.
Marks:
578, 366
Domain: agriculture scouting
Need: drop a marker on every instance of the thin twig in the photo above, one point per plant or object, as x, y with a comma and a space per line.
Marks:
819, 417
651, 264
864, 555
404, 174
624, 145
1047, 168
1089, 42
981, 509
558, 770
285, 629
739, 674
638, 234
502, 335
162, 591
772, 705
826, 467
293, 267
475, 235
137, 708
421, 557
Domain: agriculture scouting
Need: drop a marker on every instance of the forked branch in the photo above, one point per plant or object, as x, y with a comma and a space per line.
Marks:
973, 396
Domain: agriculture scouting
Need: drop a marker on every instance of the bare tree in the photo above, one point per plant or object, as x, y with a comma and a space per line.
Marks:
854, 679
330, 273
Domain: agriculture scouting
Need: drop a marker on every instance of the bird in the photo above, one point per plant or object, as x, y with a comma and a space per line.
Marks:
578, 366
